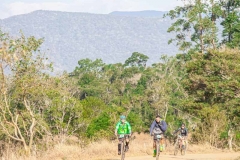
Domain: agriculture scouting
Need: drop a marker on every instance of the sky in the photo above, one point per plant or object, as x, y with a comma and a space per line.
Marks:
15, 7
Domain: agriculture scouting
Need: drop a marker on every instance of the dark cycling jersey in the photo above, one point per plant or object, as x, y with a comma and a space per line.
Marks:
183, 132
158, 127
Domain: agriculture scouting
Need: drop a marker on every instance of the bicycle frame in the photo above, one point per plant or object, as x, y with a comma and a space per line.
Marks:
179, 145
123, 137
181, 140
159, 142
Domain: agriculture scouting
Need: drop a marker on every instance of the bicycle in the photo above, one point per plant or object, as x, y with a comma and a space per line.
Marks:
159, 145
123, 137
180, 146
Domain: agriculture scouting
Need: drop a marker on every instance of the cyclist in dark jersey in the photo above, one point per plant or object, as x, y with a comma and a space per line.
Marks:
183, 132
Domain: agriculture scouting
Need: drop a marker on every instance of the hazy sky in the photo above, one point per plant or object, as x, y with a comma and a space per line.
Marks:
14, 7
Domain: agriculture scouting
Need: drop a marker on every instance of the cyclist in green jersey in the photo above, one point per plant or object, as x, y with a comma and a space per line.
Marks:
123, 127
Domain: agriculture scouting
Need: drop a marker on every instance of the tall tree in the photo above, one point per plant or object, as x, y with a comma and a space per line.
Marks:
231, 22
195, 25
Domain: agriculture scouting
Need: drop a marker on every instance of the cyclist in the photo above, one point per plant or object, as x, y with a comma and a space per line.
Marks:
183, 131
158, 127
123, 127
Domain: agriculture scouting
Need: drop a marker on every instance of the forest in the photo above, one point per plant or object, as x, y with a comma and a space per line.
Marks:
200, 86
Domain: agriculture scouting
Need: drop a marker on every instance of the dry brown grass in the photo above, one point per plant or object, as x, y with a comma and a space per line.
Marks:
14, 156
141, 145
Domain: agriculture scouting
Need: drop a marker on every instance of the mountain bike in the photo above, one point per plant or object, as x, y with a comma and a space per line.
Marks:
180, 145
159, 145
123, 137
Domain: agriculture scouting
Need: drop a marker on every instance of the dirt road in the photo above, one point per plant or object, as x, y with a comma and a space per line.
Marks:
215, 156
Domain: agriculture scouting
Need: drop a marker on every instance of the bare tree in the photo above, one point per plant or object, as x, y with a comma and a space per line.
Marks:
22, 85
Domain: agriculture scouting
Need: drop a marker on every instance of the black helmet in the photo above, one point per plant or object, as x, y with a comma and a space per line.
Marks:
183, 125
158, 116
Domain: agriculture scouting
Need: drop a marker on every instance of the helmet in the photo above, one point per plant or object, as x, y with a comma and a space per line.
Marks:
183, 124
122, 117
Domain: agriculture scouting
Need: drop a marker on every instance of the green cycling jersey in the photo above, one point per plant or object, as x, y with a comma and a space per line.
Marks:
123, 128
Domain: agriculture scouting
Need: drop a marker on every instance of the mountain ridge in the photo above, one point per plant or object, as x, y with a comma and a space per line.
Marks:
144, 13
71, 36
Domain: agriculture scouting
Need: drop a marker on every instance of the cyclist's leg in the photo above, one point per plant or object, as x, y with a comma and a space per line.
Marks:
162, 143
180, 142
127, 142
177, 142
119, 146
154, 144
185, 142
154, 148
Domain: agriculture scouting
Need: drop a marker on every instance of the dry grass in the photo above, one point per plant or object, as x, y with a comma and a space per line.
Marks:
14, 156
141, 145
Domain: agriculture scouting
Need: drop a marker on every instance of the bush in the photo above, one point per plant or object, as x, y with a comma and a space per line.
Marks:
99, 124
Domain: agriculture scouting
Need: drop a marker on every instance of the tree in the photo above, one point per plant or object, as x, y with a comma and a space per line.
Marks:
137, 59
92, 108
231, 21
213, 81
195, 25
90, 77
23, 85
87, 66
64, 112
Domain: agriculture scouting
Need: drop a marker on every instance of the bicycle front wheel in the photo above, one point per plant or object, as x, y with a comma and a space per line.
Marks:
122, 151
157, 151
176, 149
183, 150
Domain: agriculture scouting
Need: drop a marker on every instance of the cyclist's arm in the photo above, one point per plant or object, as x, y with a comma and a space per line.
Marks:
163, 126
186, 132
117, 127
152, 126
176, 131
129, 128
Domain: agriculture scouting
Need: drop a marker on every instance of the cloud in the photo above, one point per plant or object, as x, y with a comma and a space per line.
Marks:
3, 11
92, 6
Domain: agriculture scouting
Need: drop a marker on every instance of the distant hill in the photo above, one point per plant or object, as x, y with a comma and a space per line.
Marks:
70, 37
152, 14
